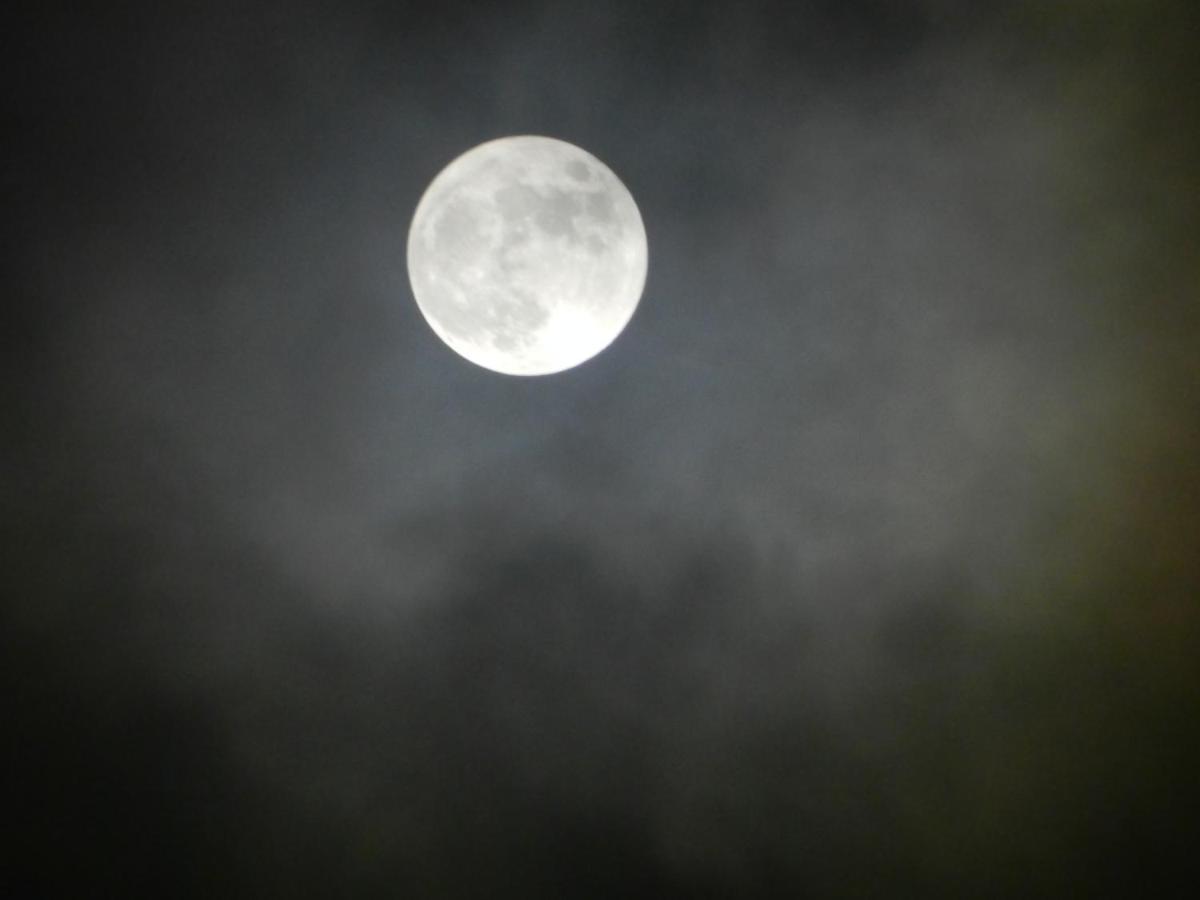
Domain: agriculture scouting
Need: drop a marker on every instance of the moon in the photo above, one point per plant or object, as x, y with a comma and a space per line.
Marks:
527, 255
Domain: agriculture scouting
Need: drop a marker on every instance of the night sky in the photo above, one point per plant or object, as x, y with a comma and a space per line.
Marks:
865, 563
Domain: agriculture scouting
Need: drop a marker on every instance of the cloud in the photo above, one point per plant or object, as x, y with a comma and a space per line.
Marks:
860, 563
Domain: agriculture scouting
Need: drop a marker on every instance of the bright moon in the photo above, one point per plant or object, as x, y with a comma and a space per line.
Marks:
527, 255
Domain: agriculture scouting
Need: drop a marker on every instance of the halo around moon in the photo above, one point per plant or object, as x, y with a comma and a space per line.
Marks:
527, 255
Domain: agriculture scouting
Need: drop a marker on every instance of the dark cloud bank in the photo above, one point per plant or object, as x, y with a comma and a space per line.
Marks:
863, 564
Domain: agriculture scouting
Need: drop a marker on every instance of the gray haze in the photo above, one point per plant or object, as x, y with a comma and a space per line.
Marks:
862, 564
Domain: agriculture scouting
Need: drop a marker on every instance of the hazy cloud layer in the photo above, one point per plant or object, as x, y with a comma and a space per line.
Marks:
861, 564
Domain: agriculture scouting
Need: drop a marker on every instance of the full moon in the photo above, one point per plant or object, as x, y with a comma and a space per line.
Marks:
527, 255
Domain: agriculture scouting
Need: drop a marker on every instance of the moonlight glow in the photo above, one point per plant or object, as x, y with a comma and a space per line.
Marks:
527, 255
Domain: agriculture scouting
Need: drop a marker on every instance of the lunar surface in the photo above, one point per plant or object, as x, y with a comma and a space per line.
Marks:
527, 255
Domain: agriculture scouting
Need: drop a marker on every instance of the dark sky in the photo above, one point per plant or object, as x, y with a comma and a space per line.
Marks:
864, 564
